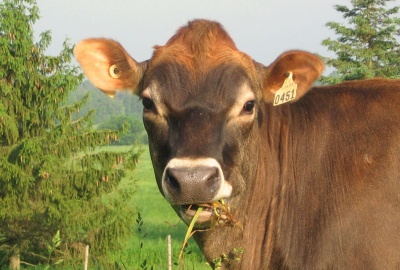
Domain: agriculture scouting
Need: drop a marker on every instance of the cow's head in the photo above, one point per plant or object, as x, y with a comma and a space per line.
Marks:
202, 102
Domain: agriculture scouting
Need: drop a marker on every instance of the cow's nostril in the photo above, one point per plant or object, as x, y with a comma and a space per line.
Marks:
211, 180
172, 182
188, 185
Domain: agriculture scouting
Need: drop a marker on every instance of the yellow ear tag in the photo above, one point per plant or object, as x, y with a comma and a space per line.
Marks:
287, 92
114, 71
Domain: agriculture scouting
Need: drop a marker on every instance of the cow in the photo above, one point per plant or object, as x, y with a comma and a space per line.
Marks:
306, 177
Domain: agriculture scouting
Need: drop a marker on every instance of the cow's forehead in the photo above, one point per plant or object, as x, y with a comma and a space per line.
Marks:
172, 88
199, 62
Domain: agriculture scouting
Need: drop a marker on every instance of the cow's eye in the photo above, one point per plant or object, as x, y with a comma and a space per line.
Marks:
148, 104
249, 106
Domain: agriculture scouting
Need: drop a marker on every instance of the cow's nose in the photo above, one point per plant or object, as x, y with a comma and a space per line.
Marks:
192, 185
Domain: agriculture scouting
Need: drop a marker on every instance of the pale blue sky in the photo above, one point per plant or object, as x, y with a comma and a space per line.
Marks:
261, 28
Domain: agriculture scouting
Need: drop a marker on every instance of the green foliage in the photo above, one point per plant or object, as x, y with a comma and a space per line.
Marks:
144, 264
55, 243
104, 107
135, 129
368, 45
229, 260
51, 177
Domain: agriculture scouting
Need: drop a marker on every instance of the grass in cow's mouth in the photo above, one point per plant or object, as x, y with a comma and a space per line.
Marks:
222, 214
190, 231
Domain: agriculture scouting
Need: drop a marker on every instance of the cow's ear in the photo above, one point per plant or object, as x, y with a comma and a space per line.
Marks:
108, 66
290, 76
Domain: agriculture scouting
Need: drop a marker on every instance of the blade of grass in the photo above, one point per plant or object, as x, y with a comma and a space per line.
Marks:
190, 229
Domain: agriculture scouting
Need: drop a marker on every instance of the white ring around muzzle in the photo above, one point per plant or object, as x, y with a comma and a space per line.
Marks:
225, 189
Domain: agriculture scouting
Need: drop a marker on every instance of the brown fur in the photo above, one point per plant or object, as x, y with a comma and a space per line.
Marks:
327, 189
201, 46
315, 182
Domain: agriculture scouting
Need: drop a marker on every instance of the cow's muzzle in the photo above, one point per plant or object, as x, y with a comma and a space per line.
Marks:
194, 181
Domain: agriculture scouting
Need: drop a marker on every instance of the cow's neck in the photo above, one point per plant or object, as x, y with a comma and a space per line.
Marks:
267, 206
264, 201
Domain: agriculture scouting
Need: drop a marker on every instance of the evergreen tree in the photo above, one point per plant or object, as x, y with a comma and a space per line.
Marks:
124, 103
103, 106
135, 134
367, 46
51, 179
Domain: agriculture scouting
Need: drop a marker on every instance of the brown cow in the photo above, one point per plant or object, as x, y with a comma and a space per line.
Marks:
311, 183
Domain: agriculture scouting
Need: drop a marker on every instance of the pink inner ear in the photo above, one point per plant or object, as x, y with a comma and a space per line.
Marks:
94, 62
96, 56
306, 68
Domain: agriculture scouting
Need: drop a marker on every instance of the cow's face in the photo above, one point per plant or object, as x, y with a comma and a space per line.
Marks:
200, 127
202, 103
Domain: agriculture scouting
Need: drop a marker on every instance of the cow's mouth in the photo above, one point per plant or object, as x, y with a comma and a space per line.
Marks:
204, 218
207, 214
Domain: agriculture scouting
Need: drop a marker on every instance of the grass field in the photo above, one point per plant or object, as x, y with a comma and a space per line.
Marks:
149, 246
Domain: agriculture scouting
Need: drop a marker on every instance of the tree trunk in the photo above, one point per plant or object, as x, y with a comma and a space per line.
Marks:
15, 261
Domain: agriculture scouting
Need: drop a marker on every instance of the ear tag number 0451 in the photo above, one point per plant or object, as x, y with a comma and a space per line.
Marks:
287, 92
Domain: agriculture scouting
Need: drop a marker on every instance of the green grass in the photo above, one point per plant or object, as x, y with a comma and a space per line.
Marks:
159, 221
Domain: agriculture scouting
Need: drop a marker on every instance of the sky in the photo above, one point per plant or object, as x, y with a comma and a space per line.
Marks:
261, 28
